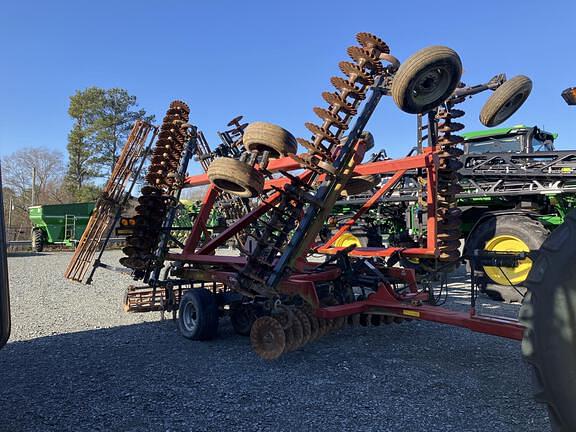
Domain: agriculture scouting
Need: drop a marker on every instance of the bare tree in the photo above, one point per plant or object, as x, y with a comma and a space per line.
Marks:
48, 166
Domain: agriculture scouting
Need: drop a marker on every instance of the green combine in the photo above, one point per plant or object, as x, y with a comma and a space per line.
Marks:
58, 224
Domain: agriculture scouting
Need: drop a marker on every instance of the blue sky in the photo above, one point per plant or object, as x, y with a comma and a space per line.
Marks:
267, 60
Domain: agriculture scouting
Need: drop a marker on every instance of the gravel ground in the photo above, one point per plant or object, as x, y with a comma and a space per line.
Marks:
77, 362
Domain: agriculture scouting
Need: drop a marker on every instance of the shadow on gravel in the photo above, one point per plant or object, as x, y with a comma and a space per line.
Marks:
146, 377
25, 254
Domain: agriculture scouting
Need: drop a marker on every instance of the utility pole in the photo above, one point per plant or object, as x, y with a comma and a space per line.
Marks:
10, 205
33, 185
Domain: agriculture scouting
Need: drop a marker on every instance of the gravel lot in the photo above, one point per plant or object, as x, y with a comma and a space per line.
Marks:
77, 361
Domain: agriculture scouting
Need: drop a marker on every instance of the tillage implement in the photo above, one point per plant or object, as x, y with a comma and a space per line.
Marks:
276, 202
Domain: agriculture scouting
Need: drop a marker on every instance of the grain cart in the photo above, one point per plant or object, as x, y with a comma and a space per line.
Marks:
278, 201
58, 224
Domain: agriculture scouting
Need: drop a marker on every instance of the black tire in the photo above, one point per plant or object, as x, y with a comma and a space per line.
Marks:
505, 101
426, 79
236, 177
263, 136
360, 184
37, 240
530, 231
198, 315
549, 314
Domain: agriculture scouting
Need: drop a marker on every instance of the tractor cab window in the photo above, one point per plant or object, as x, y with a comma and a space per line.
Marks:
496, 145
542, 145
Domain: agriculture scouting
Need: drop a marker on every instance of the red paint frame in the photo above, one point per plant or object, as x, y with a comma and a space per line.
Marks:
302, 282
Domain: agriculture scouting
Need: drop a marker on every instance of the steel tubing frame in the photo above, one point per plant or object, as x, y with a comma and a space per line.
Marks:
385, 300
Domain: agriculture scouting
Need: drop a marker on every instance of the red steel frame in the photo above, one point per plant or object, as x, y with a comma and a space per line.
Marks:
385, 300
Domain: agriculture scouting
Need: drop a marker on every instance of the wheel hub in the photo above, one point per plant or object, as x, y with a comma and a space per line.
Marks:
508, 275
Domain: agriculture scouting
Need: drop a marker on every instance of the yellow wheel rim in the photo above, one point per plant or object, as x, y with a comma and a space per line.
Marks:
507, 275
346, 240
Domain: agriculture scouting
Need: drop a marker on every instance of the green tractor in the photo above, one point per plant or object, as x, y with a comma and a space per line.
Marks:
517, 189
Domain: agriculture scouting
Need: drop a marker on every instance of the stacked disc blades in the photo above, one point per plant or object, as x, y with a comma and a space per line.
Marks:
161, 180
350, 91
291, 327
288, 329
448, 213
342, 106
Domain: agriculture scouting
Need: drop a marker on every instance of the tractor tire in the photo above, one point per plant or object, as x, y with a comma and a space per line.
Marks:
198, 315
236, 177
360, 184
549, 314
505, 101
507, 233
37, 240
263, 136
426, 79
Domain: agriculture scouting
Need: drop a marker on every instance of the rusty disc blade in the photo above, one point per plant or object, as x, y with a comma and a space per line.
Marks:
285, 321
297, 334
149, 210
321, 133
448, 236
345, 86
450, 212
306, 326
235, 121
133, 263
178, 104
314, 326
156, 179
449, 256
370, 41
158, 169
365, 58
354, 320
453, 113
139, 242
450, 189
324, 326
308, 145
165, 163
450, 127
176, 112
335, 100
449, 163
448, 225
165, 135
450, 140
356, 74
133, 251
151, 200
267, 338
289, 335
327, 116
446, 246
150, 190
